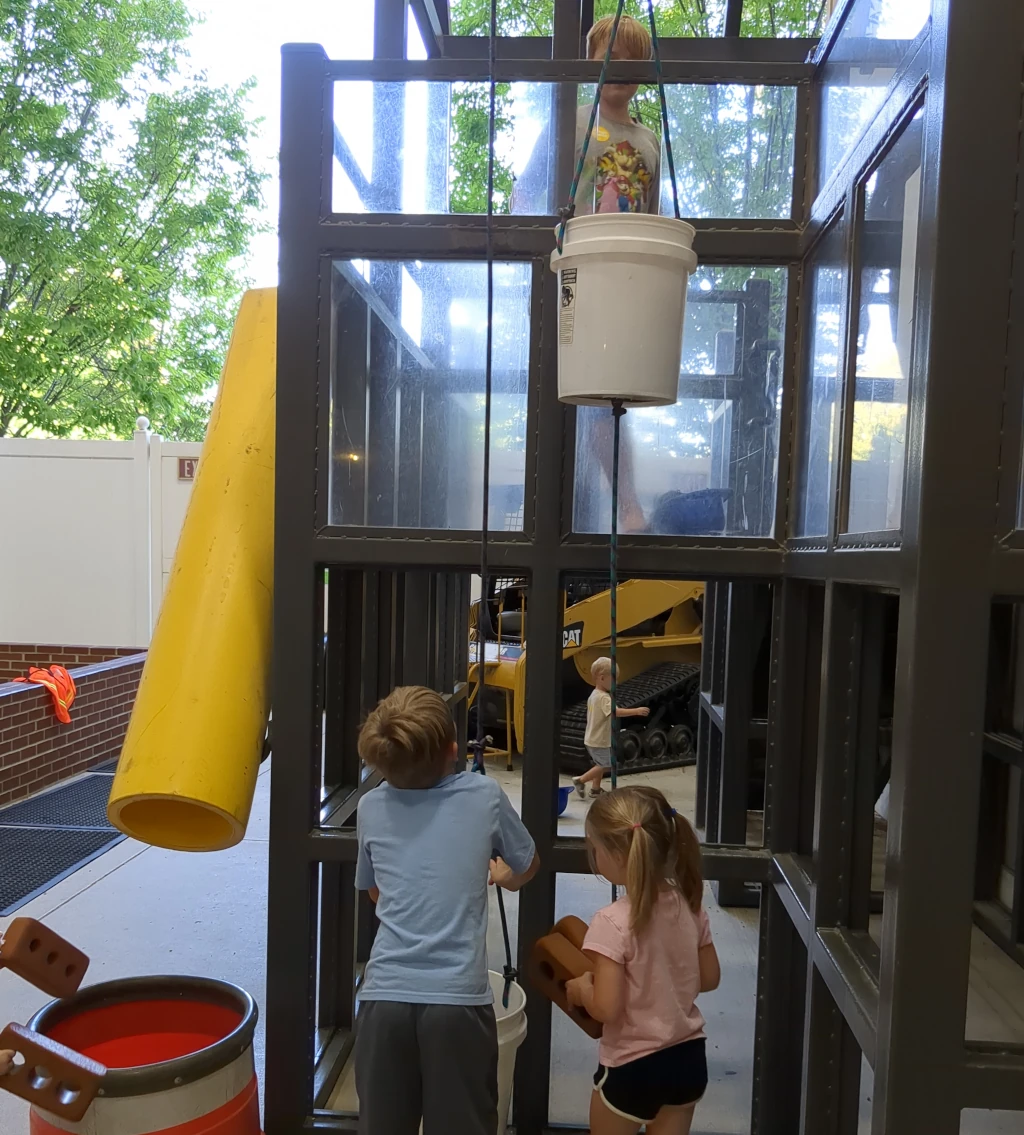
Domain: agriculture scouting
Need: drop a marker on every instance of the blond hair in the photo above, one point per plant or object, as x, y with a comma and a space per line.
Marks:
408, 737
600, 667
632, 36
659, 847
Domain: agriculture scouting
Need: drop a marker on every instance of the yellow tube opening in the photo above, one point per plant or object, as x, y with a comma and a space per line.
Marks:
176, 823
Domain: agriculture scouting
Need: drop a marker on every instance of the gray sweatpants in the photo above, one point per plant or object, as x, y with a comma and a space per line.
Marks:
435, 1062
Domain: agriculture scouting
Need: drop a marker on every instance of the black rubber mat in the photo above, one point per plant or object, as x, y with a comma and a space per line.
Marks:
34, 859
81, 804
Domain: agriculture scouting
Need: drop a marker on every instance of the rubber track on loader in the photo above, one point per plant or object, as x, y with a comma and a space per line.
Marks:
664, 683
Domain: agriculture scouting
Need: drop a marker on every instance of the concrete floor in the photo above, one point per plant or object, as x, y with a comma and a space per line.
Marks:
139, 910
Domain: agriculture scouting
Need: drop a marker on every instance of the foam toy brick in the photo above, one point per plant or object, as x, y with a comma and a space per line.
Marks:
556, 959
50, 1076
42, 958
45, 1073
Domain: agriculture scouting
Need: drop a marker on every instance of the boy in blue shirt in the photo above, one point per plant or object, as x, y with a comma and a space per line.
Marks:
430, 840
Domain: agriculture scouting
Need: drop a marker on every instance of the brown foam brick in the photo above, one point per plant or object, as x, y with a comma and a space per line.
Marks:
43, 958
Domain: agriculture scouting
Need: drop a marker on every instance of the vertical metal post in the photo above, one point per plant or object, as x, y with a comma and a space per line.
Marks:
305, 104
949, 530
831, 1065
543, 676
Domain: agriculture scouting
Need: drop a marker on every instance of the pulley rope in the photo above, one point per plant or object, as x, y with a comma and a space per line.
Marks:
483, 617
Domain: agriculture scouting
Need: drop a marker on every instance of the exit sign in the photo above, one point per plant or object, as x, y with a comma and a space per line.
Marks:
187, 468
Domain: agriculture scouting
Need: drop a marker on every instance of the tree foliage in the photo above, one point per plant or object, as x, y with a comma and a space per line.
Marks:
127, 194
675, 17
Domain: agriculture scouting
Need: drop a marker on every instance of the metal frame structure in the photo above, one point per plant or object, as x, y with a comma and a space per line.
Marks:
397, 599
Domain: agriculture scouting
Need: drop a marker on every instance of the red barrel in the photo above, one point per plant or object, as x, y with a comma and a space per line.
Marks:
178, 1052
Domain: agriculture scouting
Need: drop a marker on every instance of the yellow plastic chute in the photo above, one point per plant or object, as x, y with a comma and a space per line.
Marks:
188, 768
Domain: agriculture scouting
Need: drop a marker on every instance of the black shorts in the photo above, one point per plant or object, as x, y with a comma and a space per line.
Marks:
671, 1077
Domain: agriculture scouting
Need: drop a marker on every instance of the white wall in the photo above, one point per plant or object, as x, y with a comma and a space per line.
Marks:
87, 535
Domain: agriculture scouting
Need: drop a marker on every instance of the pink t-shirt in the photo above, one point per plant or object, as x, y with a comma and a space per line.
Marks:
662, 976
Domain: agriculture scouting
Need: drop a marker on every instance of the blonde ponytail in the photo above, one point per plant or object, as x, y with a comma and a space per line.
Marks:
642, 877
688, 869
659, 848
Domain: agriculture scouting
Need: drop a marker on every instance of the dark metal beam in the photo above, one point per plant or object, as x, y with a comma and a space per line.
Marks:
292, 896
462, 236
992, 1077
971, 115
787, 51
683, 71
853, 986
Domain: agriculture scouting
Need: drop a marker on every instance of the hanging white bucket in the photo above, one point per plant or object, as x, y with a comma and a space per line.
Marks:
622, 280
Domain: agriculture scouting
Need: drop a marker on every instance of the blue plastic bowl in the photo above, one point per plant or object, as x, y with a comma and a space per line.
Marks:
563, 795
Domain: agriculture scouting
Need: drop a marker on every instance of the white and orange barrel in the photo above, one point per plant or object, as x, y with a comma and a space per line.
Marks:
178, 1053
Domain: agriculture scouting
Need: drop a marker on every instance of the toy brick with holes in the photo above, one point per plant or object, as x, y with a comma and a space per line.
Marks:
42, 958
45, 1073
50, 1076
558, 958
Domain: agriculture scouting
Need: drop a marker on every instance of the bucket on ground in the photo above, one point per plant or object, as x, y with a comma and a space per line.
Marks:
178, 1053
511, 1034
622, 281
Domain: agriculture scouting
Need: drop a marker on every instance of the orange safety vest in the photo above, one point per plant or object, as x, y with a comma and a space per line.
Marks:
61, 686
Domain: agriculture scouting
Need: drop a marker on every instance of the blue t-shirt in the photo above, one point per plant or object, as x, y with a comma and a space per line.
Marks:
427, 851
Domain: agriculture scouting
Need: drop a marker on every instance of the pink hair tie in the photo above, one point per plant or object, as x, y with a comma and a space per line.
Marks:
635, 826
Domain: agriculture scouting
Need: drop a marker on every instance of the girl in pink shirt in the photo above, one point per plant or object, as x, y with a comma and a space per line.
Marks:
652, 955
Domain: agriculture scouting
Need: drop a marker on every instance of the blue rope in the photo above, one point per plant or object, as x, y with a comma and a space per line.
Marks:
479, 764
664, 106
613, 571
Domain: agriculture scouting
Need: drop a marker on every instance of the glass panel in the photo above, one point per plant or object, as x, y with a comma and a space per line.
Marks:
422, 147
674, 19
820, 383
974, 1121
728, 1012
522, 17
407, 406
415, 48
707, 465
739, 162
741, 129
885, 325
876, 36
777, 19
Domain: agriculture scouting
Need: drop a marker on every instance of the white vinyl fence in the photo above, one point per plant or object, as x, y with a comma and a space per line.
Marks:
87, 536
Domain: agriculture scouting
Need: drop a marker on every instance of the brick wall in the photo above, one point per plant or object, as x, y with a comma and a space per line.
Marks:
37, 751
16, 658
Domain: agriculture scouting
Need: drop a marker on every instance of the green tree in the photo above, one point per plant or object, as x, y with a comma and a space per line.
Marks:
127, 196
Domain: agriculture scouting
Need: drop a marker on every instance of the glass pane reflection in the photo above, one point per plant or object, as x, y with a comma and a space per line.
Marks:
820, 383
707, 465
888, 244
875, 38
407, 407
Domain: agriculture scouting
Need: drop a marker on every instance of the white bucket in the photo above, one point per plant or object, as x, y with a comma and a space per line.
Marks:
622, 280
511, 1034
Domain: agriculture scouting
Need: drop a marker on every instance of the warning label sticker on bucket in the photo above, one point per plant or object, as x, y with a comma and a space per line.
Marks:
567, 311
